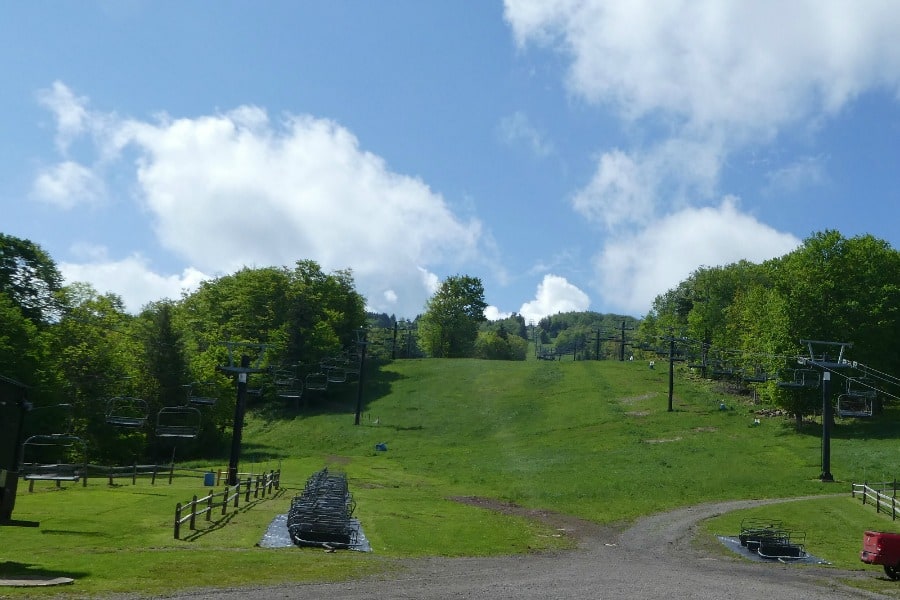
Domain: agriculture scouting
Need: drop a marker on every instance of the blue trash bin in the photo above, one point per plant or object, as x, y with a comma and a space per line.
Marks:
209, 479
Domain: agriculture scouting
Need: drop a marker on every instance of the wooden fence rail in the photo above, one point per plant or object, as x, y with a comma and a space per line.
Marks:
230, 496
882, 495
31, 473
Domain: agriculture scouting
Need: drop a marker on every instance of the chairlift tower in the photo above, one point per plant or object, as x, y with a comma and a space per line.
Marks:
362, 342
240, 406
826, 356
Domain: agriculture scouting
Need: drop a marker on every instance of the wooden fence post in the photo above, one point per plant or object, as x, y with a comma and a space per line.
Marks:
209, 505
225, 500
177, 520
194, 513
247, 493
153, 478
865, 491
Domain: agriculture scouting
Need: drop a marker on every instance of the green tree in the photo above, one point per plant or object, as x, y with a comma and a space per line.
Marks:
449, 327
29, 277
491, 345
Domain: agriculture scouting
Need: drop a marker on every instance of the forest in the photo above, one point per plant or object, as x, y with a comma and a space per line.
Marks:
753, 322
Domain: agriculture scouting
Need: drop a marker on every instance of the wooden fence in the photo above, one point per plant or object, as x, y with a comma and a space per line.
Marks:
88, 471
230, 496
882, 495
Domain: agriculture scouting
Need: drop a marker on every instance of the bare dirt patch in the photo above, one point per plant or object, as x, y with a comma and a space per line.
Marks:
641, 398
579, 530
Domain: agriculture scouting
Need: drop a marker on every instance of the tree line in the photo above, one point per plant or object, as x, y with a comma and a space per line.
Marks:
751, 318
76, 348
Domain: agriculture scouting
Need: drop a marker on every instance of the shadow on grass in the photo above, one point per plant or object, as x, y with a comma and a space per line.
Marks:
213, 525
338, 398
16, 570
879, 427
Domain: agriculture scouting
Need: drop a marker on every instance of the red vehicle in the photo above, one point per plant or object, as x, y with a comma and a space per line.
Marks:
882, 548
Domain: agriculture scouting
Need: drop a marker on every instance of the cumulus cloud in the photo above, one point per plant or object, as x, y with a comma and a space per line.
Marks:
554, 294
749, 66
492, 313
69, 110
236, 189
67, 185
633, 270
131, 278
692, 82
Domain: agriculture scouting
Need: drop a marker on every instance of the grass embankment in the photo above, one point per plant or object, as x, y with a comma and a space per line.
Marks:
592, 439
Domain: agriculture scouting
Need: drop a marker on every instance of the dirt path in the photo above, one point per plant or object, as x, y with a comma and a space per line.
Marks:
653, 559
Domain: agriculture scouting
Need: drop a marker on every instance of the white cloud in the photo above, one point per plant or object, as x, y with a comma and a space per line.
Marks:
703, 78
131, 278
803, 173
517, 128
747, 66
492, 313
67, 185
633, 270
554, 294
70, 112
235, 189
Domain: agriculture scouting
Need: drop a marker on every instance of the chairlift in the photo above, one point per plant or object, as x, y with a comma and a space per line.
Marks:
720, 369
860, 386
178, 422
854, 405
50, 458
316, 382
292, 388
125, 411
196, 395
759, 376
796, 379
336, 375
282, 377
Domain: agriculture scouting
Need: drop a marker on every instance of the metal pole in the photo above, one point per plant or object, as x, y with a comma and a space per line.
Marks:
826, 427
394, 345
359, 382
671, 371
238, 427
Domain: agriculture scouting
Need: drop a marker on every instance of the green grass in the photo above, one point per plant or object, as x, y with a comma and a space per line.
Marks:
592, 439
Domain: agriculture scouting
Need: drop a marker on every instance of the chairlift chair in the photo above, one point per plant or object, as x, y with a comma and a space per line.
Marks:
796, 379
759, 376
860, 386
200, 399
48, 458
282, 377
336, 375
854, 404
316, 382
127, 412
178, 422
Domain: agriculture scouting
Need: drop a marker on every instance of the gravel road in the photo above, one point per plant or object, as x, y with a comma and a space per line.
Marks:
653, 559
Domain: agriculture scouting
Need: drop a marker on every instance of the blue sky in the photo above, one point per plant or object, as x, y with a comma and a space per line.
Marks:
573, 154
